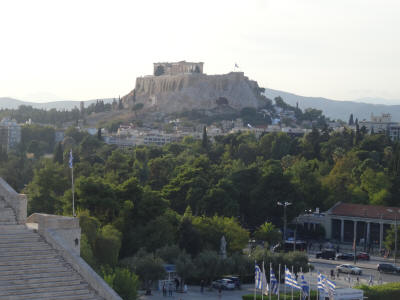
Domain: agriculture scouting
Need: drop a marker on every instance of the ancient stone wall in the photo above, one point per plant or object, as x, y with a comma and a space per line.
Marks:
18, 202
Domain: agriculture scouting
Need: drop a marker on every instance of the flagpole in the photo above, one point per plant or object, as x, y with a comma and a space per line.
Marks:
262, 284
292, 285
270, 285
255, 281
301, 285
317, 284
309, 287
71, 165
284, 285
279, 281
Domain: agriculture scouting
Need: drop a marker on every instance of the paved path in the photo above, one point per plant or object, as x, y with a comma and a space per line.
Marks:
194, 294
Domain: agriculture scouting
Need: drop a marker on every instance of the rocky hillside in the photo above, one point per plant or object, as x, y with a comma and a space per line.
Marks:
195, 91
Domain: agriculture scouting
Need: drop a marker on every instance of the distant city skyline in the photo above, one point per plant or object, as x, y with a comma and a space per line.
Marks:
81, 50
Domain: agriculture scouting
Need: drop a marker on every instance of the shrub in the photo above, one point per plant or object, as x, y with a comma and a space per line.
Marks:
388, 291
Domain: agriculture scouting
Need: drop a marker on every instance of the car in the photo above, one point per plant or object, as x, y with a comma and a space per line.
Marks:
224, 284
363, 256
235, 279
349, 269
345, 256
388, 268
326, 254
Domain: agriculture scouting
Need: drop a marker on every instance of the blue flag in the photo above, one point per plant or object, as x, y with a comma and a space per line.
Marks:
71, 159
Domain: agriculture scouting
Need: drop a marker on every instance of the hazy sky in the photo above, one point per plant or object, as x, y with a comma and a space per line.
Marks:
74, 50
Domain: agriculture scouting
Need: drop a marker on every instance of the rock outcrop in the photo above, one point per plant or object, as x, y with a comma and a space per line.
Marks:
174, 93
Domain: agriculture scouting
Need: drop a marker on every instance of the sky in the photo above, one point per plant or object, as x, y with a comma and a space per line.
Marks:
84, 49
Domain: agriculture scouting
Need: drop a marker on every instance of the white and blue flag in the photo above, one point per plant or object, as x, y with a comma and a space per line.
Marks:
304, 287
258, 278
326, 285
290, 280
321, 282
330, 286
71, 159
273, 282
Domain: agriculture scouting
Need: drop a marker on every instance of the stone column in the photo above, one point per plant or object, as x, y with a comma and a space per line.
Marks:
341, 230
380, 235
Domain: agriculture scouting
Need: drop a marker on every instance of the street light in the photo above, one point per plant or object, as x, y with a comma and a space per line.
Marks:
284, 204
395, 232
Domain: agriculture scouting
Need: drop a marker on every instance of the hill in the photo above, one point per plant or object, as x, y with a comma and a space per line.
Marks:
335, 109
11, 103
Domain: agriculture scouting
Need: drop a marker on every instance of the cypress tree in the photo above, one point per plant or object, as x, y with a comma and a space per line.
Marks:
58, 154
351, 120
204, 141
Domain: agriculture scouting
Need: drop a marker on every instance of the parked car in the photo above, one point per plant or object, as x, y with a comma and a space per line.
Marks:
235, 279
363, 256
224, 284
349, 269
345, 256
326, 254
388, 268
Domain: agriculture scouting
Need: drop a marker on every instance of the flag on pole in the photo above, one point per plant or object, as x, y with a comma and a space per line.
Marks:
330, 286
258, 278
273, 282
265, 287
71, 159
304, 287
290, 280
321, 280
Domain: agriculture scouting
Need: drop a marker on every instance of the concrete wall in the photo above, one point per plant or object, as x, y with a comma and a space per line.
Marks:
64, 234
18, 202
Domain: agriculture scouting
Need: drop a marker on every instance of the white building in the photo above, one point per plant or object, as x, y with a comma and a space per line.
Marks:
10, 133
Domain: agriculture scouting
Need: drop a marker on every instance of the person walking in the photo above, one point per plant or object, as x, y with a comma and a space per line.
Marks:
164, 290
219, 292
170, 289
202, 286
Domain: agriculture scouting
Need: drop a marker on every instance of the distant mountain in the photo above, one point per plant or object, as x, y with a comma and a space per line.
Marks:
337, 109
59, 105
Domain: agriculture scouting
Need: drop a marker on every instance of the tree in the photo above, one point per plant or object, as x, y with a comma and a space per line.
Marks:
204, 141
184, 267
267, 232
58, 154
390, 238
137, 107
108, 244
351, 120
124, 282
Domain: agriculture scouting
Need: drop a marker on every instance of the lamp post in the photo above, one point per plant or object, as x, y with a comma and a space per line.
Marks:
284, 204
395, 232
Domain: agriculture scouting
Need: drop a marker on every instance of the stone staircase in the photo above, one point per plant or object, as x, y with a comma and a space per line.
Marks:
31, 269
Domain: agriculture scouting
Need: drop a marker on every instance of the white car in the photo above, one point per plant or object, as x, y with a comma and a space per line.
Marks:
224, 284
349, 269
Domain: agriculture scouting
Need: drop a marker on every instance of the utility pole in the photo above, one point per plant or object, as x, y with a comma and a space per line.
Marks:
284, 204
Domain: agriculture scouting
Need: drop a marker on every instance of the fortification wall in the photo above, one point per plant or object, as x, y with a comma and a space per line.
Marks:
194, 91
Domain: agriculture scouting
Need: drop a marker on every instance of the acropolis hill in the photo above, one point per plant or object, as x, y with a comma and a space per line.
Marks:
179, 86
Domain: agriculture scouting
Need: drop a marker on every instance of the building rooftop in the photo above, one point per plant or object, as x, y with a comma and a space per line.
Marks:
365, 211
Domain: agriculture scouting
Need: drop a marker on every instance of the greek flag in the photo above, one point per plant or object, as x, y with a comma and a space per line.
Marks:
273, 282
321, 282
290, 280
71, 159
304, 287
258, 278
330, 286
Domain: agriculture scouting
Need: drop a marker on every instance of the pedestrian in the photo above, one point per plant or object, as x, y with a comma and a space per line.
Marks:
185, 288
170, 290
202, 286
176, 284
337, 249
164, 290
320, 247
332, 274
358, 280
219, 292
337, 274
370, 282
